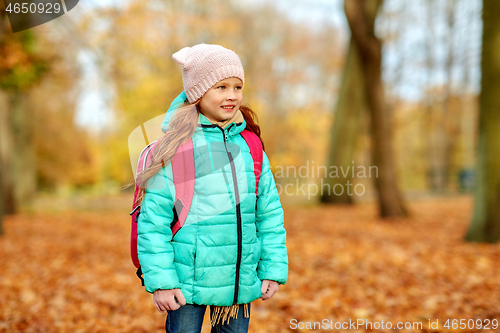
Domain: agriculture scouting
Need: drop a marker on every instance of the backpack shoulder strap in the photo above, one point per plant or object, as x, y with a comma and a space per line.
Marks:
255, 145
183, 174
144, 158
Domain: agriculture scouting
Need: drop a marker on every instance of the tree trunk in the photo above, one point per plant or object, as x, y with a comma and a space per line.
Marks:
7, 186
370, 47
348, 115
7, 195
17, 150
3, 118
485, 225
2, 202
451, 112
429, 132
22, 158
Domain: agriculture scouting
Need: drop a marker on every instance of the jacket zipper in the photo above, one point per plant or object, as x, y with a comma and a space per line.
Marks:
238, 218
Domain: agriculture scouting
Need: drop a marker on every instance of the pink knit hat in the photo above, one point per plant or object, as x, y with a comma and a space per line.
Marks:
204, 65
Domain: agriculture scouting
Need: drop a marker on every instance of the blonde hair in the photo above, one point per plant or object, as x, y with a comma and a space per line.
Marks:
180, 130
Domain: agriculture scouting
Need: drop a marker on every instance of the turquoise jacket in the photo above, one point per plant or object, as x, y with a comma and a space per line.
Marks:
232, 239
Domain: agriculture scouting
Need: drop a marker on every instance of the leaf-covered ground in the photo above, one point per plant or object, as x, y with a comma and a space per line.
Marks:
71, 272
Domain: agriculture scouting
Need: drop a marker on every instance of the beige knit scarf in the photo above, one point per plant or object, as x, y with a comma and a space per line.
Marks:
237, 118
223, 313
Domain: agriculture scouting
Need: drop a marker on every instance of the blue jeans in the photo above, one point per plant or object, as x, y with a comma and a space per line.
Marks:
189, 319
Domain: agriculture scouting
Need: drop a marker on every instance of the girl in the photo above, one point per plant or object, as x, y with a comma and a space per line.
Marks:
231, 249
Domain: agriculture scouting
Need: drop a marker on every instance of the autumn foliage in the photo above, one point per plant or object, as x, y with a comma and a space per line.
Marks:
71, 272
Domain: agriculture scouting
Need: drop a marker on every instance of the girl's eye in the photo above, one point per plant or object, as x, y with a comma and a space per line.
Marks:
238, 88
221, 87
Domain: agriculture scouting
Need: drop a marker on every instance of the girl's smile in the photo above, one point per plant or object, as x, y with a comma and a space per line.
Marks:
221, 102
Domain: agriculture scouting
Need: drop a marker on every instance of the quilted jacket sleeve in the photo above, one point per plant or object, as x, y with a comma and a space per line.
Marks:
156, 254
273, 264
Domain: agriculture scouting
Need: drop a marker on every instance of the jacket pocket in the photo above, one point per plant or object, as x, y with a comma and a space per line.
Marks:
259, 251
194, 265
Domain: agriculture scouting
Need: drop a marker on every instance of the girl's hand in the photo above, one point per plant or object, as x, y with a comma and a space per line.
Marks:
268, 289
168, 299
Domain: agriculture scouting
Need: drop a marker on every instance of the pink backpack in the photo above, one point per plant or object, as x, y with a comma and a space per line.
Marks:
183, 174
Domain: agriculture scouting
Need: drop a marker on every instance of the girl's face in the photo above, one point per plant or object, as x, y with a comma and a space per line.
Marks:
221, 102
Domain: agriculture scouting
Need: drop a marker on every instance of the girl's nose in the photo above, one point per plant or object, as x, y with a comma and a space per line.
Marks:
231, 95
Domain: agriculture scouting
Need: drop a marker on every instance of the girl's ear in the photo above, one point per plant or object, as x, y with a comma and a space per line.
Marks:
197, 103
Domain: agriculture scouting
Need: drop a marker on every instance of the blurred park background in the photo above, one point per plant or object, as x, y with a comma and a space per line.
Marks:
381, 120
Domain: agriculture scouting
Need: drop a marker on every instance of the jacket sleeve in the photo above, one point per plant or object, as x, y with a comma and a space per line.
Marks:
156, 254
273, 264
